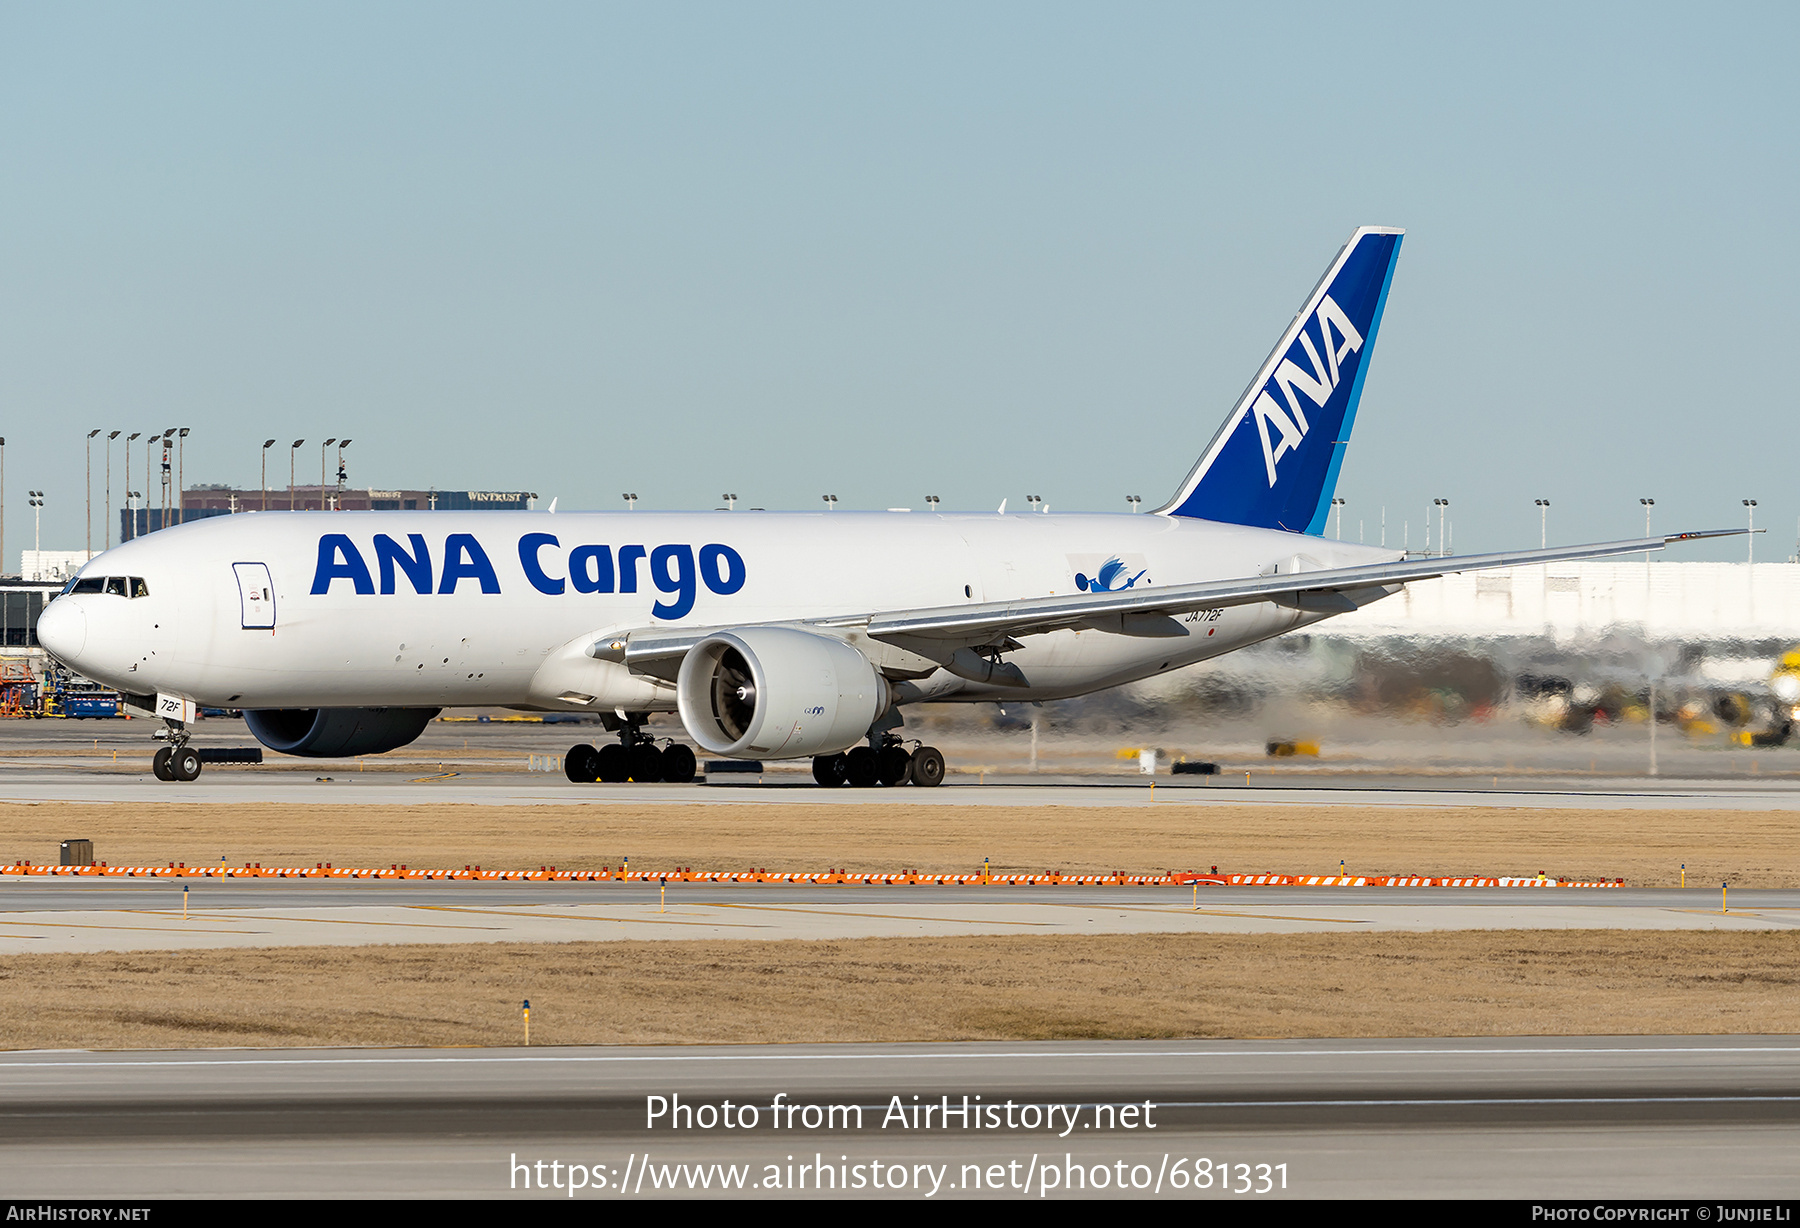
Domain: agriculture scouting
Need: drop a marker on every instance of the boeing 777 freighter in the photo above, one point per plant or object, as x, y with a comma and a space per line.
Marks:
774, 635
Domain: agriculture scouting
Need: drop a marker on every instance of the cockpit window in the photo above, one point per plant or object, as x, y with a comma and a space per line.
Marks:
117, 586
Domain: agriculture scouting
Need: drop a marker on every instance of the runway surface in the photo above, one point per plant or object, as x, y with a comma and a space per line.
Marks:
342, 784
50, 915
1669, 1117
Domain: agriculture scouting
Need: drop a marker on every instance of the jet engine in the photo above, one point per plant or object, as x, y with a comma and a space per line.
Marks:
336, 733
777, 692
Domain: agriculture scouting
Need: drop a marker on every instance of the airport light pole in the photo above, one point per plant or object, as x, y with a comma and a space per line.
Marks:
267, 444
1750, 506
293, 450
830, 502
150, 439
106, 511
181, 476
90, 491
1337, 508
931, 502
1648, 504
1543, 506
730, 502
323, 449
129, 440
1032, 501
37, 524
1135, 503
630, 502
342, 474
1441, 505
168, 470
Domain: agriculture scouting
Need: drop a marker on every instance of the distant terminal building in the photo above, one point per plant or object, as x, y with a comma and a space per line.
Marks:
200, 502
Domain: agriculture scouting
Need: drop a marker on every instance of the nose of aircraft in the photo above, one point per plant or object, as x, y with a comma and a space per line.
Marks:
62, 630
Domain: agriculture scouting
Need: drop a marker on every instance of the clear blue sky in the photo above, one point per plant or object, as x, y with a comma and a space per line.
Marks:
970, 250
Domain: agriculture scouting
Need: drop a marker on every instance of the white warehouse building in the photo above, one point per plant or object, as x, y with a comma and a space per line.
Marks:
1573, 601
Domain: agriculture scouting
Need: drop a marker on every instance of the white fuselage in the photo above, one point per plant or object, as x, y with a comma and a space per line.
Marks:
491, 628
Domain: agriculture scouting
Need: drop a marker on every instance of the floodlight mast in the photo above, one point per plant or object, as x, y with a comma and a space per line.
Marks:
89, 547
106, 508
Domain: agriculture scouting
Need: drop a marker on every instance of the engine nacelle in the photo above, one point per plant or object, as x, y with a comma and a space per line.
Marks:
778, 693
337, 733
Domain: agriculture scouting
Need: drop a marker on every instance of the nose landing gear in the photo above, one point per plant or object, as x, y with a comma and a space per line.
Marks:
177, 761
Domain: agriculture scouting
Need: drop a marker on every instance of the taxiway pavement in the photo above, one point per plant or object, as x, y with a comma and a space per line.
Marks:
33, 781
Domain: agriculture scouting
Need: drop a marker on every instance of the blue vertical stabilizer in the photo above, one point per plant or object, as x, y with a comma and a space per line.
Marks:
1274, 463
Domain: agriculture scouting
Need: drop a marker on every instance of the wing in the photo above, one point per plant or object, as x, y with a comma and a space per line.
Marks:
940, 630
1337, 590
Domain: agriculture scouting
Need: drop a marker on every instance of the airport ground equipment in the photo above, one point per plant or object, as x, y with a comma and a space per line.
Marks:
18, 689
84, 705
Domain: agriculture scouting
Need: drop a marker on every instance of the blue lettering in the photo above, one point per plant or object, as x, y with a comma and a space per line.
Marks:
722, 568
339, 560
464, 559
416, 565
672, 567
529, 545
591, 569
628, 561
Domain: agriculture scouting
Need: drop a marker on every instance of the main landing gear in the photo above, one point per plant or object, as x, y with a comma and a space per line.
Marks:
887, 763
177, 760
635, 757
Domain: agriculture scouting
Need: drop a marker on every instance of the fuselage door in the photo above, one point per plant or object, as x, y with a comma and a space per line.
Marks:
256, 593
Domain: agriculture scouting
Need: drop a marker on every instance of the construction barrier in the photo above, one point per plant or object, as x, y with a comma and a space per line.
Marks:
846, 878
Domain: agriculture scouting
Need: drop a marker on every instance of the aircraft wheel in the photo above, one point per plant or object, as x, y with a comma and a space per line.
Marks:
159, 764
893, 764
646, 763
831, 770
678, 765
611, 764
579, 764
928, 767
184, 764
862, 768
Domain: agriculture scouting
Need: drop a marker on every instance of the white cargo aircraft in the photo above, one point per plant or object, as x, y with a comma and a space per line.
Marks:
774, 635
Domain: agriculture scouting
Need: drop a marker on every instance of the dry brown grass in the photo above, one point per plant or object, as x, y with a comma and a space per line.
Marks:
1645, 847
887, 989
